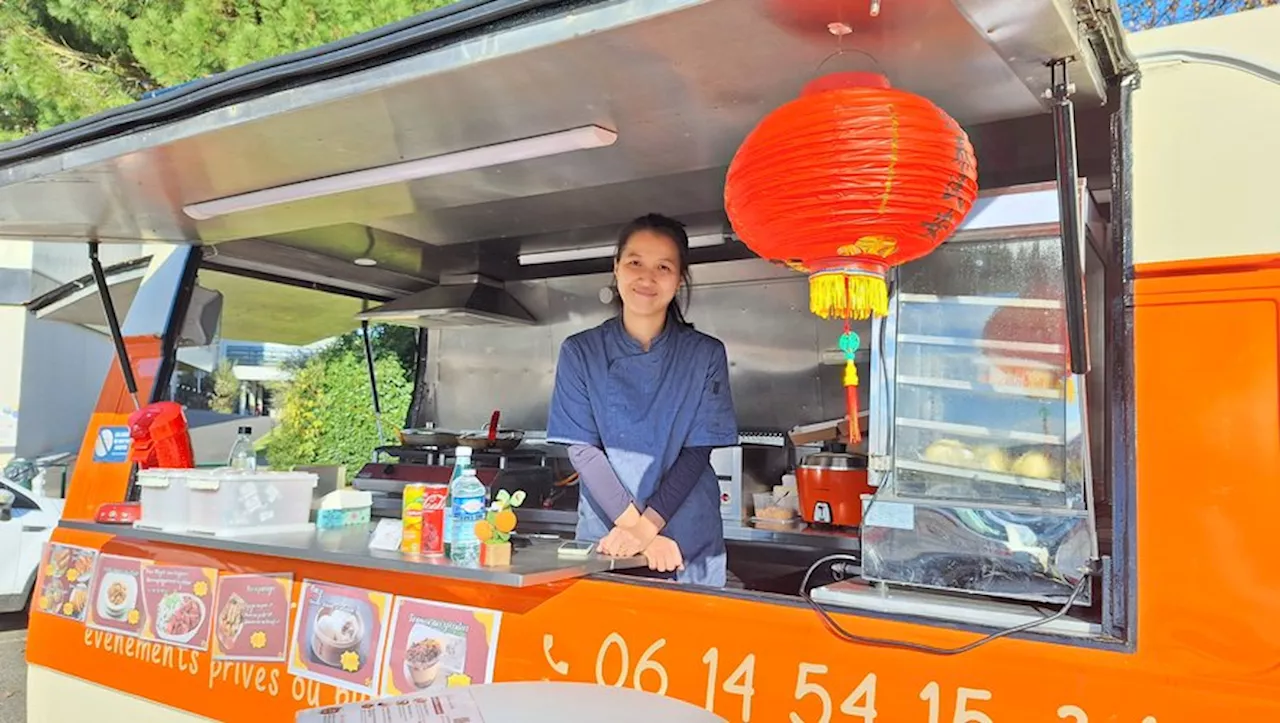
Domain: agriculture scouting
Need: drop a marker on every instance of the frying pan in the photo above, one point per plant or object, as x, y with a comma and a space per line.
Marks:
428, 438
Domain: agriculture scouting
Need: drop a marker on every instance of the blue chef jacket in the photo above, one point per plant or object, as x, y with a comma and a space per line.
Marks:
642, 407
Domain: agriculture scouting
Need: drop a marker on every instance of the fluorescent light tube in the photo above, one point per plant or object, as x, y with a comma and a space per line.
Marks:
602, 252
574, 139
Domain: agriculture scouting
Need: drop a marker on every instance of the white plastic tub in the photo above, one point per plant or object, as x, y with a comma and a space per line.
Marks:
229, 502
163, 494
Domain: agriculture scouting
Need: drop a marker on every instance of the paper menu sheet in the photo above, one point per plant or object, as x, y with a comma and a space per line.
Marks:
455, 705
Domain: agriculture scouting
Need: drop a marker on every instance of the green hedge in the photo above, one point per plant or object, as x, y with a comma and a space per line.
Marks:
327, 411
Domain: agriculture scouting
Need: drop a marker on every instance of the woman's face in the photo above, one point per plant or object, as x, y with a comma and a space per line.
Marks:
648, 273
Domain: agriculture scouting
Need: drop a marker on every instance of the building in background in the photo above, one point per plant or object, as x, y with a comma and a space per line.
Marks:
50, 371
57, 350
254, 368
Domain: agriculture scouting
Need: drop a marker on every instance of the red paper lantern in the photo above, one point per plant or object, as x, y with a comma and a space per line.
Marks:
849, 179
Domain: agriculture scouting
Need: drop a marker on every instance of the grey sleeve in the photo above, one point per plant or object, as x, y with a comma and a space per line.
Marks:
599, 481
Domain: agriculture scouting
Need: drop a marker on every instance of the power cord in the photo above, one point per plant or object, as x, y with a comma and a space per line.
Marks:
848, 637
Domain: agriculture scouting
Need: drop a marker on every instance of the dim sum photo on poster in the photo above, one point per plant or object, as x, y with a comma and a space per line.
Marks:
176, 602
66, 571
116, 599
338, 635
251, 621
437, 645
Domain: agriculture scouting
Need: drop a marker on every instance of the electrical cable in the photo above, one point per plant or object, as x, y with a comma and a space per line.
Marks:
835, 628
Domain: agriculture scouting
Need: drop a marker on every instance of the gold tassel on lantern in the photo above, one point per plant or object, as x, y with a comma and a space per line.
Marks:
840, 295
850, 374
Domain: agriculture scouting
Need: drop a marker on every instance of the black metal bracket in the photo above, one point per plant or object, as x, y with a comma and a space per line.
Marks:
113, 323
373, 378
174, 328
1064, 143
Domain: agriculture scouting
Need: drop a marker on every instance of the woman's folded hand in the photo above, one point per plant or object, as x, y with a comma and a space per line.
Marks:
626, 540
620, 542
663, 555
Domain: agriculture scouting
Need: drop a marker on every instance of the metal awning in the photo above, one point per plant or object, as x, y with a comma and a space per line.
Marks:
681, 82
256, 310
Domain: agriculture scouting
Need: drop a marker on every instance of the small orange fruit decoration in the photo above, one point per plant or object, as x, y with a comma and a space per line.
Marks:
844, 182
505, 520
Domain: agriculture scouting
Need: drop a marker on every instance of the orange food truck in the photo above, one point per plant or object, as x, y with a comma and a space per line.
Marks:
1062, 502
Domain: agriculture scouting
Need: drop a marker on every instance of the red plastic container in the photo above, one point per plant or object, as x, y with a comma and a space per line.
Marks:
160, 437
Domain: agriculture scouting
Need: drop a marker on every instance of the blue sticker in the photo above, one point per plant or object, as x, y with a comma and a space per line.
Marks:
112, 444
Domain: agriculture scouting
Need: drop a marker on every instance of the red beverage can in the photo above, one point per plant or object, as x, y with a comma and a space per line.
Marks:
434, 500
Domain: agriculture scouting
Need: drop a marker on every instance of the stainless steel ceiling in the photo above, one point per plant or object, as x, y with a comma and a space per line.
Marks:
681, 81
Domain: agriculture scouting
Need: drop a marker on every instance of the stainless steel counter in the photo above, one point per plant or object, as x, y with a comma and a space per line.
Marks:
563, 522
802, 536
537, 564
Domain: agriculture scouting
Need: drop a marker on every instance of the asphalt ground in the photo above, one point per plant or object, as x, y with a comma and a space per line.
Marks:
13, 668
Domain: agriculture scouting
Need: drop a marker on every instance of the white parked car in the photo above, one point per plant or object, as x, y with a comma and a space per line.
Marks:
26, 523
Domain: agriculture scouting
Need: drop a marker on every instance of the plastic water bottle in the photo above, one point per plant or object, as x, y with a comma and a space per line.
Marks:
243, 456
467, 502
461, 463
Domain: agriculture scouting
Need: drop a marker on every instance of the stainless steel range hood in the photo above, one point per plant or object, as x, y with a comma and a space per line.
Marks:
459, 302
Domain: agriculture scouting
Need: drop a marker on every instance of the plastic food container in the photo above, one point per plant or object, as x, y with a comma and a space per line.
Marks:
229, 502
163, 494
344, 508
769, 507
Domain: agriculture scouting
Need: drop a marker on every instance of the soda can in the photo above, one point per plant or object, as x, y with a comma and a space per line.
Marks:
411, 519
434, 507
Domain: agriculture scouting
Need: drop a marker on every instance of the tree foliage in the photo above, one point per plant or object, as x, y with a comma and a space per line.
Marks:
1144, 14
386, 339
326, 410
226, 389
61, 60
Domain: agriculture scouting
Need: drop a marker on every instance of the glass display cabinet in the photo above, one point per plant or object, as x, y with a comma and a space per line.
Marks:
980, 437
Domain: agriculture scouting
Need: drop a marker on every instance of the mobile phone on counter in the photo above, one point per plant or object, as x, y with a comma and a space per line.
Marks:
579, 549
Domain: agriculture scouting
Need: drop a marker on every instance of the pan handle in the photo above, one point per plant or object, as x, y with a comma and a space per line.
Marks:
493, 426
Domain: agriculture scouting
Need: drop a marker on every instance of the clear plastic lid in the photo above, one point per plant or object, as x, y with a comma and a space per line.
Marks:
156, 478
212, 479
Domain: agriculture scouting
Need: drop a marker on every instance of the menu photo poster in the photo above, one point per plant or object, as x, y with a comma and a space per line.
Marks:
66, 572
437, 645
251, 621
338, 635
177, 602
115, 603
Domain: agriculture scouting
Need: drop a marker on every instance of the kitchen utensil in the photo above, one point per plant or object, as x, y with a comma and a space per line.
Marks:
428, 438
493, 426
831, 488
492, 437
504, 440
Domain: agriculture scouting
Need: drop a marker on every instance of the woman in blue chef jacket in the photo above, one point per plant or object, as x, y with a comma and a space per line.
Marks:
641, 400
